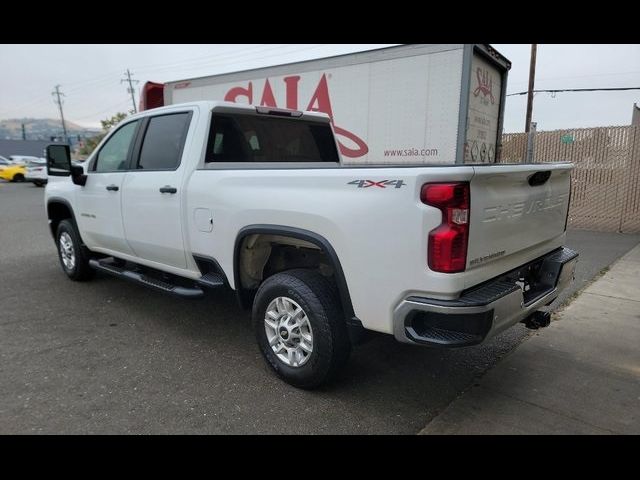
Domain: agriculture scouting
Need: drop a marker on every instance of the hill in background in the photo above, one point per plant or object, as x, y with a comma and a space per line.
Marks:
41, 129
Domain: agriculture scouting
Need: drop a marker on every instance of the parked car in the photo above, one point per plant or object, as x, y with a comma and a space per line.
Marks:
212, 194
22, 159
4, 162
13, 173
37, 172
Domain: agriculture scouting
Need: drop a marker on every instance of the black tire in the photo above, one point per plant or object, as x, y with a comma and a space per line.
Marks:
18, 177
81, 271
38, 184
319, 299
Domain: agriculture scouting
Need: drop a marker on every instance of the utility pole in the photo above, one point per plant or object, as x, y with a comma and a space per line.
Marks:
24, 133
532, 76
531, 140
130, 89
57, 93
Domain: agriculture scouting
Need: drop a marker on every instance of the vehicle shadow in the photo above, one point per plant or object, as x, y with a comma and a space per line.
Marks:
386, 386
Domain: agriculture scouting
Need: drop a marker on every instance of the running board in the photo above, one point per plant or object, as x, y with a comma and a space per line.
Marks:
146, 280
211, 280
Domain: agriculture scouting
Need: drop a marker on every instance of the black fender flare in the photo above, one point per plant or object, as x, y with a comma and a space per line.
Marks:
66, 203
300, 234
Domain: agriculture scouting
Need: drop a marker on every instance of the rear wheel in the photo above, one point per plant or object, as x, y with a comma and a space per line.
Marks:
18, 177
300, 327
74, 257
38, 184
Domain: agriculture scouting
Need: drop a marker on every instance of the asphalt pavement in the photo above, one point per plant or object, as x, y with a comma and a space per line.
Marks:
108, 356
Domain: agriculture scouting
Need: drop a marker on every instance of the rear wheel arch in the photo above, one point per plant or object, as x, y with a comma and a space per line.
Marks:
300, 234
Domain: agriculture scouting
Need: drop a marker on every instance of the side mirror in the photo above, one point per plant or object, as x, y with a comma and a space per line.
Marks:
59, 164
58, 160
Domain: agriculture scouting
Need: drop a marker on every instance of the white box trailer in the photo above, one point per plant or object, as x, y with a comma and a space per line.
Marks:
410, 104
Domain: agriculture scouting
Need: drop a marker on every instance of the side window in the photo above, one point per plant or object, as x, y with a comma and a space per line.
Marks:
163, 142
113, 154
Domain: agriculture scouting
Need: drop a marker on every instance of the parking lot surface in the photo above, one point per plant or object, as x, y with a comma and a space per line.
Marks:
112, 357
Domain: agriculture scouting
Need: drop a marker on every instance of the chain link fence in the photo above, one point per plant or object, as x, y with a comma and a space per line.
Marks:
605, 192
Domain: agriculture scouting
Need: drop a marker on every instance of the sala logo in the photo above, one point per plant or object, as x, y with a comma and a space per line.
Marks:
485, 85
320, 102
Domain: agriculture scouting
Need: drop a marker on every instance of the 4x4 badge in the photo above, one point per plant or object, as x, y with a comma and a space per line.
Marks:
379, 184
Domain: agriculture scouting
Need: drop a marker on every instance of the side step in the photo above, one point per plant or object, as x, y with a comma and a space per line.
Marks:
157, 284
211, 280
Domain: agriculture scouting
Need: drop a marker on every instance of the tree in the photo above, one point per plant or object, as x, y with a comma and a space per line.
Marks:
109, 123
91, 143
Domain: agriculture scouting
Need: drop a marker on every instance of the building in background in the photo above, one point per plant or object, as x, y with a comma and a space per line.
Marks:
31, 148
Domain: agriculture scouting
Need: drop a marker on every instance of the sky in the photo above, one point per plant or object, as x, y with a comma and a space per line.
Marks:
90, 77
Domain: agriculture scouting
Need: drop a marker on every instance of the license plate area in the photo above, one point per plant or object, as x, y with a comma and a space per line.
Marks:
540, 277
532, 281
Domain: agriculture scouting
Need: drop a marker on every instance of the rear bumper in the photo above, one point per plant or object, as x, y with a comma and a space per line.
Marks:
487, 309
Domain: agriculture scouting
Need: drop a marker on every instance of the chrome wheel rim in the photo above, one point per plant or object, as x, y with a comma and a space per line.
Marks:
67, 253
288, 331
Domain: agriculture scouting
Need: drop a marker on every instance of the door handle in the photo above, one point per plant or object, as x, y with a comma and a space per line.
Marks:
112, 188
168, 189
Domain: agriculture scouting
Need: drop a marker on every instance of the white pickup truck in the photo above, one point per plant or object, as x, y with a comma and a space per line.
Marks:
213, 194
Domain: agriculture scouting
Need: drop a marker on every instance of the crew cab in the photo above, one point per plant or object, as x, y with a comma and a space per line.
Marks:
213, 194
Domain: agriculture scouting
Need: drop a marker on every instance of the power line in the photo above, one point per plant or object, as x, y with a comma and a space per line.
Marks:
94, 83
614, 89
108, 77
33, 101
224, 59
206, 59
244, 55
117, 106
224, 62
212, 59
110, 74
57, 93
130, 89
588, 75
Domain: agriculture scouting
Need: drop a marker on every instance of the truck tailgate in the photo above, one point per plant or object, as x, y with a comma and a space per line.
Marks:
516, 210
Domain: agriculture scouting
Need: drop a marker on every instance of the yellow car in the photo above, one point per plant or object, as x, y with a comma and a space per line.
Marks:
13, 173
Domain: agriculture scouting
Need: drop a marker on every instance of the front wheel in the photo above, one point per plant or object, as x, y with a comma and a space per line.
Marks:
74, 257
300, 327
18, 177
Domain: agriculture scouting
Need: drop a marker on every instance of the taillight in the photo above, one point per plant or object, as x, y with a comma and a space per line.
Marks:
447, 251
